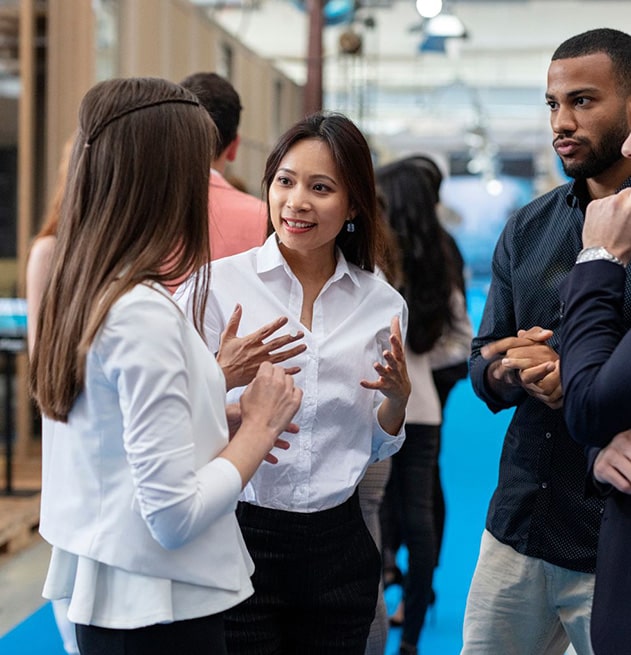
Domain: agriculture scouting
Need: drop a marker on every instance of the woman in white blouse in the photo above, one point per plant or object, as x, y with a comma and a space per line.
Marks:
316, 567
140, 481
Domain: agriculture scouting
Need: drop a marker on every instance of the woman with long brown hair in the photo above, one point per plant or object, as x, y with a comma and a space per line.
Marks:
140, 480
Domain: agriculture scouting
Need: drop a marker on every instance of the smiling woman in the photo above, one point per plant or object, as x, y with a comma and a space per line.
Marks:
308, 205
317, 568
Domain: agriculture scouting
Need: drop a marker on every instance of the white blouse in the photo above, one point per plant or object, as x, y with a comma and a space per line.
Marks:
136, 501
339, 431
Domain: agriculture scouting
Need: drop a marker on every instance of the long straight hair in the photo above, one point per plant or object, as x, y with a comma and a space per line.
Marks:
135, 210
428, 266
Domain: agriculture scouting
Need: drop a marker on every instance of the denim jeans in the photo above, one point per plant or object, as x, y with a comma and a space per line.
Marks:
407, 518
520, 605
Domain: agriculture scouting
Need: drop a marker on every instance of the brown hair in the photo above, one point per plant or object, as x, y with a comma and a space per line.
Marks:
134, 210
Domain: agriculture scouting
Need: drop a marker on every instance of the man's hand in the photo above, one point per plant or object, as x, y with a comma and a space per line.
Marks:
526, 361
613, 463
538, 366
608, 224
240, 357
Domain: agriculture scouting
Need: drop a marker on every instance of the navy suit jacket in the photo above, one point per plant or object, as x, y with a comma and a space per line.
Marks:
596, 377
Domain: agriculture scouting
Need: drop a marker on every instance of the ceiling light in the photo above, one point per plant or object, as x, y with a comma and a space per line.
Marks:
429, 8
446, 25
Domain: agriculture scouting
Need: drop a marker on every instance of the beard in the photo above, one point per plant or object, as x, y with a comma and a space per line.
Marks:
602, 156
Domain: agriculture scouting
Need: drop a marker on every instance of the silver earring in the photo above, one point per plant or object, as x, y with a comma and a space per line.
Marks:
350, 226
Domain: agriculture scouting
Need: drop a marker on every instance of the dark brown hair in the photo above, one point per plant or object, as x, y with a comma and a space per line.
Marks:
429, 269
221, 101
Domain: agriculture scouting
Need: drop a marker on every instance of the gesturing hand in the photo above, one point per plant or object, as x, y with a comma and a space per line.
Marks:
393, 379
393, 382
233, 416
240, 357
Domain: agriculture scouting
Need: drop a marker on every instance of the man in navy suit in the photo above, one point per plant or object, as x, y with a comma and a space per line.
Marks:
596, 376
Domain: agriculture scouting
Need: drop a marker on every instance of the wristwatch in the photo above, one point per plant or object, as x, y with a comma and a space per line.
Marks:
597, 252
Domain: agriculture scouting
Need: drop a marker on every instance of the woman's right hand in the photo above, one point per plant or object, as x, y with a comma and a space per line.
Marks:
240, 357
268, 405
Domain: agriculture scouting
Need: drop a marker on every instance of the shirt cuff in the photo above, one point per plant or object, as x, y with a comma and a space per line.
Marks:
385, 444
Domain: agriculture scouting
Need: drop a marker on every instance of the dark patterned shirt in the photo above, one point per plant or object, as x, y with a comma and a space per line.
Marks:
539, 506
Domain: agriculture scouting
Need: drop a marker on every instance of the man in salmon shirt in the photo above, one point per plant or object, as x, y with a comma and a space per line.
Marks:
238, 221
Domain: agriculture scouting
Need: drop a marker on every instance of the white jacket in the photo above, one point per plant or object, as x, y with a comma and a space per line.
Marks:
130, 479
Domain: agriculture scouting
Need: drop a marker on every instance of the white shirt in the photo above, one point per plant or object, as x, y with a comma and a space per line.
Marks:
137, 504
339, 432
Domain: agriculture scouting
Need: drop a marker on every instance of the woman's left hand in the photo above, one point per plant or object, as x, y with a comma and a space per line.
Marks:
393, 381
233, 416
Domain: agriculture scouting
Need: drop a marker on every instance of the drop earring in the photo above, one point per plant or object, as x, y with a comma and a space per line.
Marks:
350, 226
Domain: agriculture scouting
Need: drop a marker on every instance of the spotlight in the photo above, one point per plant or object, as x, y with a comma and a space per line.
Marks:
447, 25
429, 8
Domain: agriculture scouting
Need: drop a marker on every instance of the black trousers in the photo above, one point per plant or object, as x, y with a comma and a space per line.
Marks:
445, 380
316, 583
202, 636
407, 517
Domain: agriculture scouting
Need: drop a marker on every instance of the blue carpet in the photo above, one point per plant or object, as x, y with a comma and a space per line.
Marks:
37, 635
471, 443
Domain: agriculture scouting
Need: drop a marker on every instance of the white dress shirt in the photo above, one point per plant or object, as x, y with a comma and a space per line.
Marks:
339, 432
136, 503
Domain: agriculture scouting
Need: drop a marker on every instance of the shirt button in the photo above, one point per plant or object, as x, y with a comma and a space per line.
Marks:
544, 485
548, 435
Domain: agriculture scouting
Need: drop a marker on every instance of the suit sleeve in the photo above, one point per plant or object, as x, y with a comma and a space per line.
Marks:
595, 353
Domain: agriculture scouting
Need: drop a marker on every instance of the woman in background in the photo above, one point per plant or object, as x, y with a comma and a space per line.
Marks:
429, 281
449, 357
139, 480
372, 486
